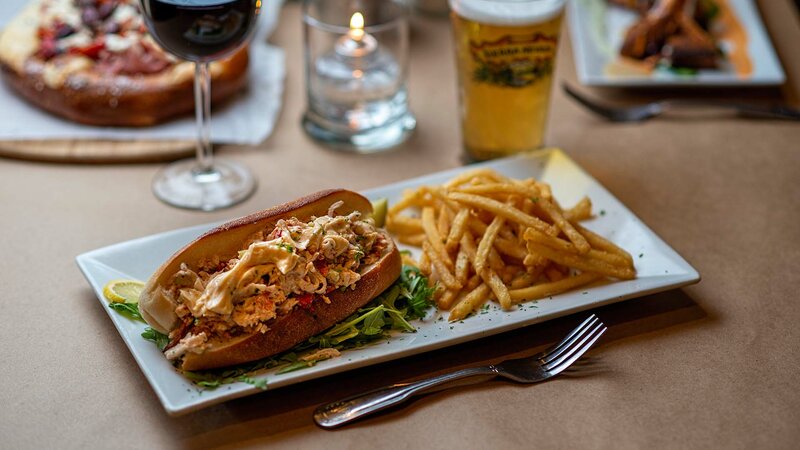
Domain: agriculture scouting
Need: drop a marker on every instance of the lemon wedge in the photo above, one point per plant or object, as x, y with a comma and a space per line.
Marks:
123, 291
379, 208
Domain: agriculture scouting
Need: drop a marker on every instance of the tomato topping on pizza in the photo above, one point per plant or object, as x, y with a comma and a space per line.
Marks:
109, 32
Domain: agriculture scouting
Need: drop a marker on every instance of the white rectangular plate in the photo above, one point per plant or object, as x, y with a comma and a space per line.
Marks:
598, 29
659, 268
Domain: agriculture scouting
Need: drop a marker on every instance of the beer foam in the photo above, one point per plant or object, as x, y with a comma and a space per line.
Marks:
507, 12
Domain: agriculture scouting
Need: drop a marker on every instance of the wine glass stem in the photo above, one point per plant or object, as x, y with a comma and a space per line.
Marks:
202, 108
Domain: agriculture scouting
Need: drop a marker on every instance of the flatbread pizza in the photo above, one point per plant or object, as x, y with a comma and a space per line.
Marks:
93, 62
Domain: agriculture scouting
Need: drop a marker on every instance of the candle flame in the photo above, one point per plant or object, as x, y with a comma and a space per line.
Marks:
357, 26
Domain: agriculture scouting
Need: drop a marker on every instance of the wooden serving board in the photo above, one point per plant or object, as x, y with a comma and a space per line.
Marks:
96, 151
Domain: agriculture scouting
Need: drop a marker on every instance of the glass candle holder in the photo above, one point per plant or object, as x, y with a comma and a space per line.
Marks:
356, 55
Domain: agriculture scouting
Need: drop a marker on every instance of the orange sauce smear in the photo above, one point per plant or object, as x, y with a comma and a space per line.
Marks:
727, 27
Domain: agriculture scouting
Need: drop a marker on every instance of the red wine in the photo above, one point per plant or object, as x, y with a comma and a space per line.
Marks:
200, 30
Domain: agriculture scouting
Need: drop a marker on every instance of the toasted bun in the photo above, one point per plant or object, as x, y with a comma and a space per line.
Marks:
297, 326
94, 98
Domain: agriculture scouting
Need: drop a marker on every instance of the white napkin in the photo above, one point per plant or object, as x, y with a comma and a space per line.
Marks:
248, 119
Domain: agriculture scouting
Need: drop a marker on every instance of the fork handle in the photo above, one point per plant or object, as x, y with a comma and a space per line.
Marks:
781, 111
351, 408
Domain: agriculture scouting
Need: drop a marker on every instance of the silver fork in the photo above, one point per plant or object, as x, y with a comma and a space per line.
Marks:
646, 111
532, 369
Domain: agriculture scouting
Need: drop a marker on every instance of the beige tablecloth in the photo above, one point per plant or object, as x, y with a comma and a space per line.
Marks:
712, 365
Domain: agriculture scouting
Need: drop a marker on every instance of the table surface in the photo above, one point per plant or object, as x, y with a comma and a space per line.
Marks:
712, 365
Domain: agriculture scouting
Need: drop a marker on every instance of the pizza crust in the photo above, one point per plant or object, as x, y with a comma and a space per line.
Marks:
18, 41
69, 87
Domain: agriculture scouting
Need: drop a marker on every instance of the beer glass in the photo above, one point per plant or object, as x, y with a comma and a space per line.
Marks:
505, 54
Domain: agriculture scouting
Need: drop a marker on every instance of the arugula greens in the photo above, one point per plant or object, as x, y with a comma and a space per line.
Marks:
409, 298
129, 310
160, 339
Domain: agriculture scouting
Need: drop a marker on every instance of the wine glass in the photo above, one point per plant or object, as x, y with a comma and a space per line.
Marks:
201, 31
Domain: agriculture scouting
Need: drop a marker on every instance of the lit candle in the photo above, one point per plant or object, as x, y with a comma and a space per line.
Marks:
357, 43
357, 97
357, 26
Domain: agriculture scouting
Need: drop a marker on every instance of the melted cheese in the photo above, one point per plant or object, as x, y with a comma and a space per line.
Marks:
55, 75
125, 12
19, 41
116, 43
62, 10
80, 39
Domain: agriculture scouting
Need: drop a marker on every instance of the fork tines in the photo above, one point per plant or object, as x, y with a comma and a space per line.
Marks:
572, 347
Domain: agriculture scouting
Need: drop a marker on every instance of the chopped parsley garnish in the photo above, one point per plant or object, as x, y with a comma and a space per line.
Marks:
289, 248
358, 254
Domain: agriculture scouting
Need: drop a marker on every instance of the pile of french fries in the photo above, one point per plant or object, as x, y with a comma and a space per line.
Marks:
488, 237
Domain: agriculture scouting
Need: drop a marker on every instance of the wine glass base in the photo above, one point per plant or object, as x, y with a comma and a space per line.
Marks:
184, 185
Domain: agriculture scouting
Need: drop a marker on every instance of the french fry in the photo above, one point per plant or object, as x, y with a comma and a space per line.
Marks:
487, 241
566, 247
425, 264
472, 174
510, 248
507, 233
495, 261
534, 261
438, 292
503, 210
439, 266
544, 188
552, 288
472, 301
434, 238
447, 298
584, 263
404, 224
511, 271
443, 222
468, 245
581, 211
462, 266
527, 208
408, 260
411, 239
536, 271
522, 280
410, 198
457, 230
601, 243
497, 286
476, 226
473, 282
518, 188
530, 259
565, 226
554, 274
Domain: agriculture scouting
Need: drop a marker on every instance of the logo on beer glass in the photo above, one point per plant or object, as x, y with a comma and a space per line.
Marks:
514, 61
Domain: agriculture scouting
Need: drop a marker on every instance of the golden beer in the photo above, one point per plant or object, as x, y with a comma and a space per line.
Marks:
505, 52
